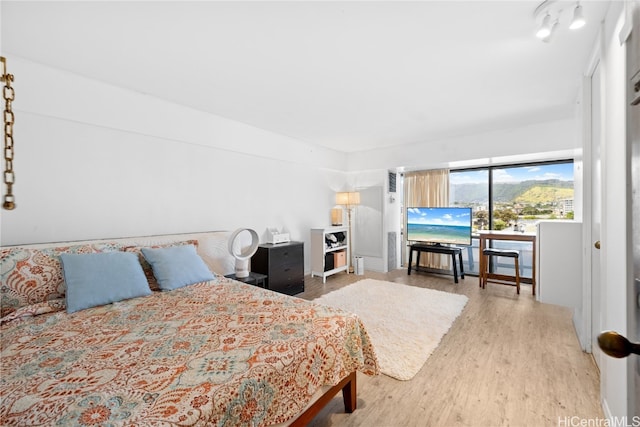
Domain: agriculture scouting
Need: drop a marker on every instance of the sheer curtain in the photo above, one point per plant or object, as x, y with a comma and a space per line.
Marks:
427, 188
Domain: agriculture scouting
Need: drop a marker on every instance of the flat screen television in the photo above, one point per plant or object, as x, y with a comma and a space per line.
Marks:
451, 226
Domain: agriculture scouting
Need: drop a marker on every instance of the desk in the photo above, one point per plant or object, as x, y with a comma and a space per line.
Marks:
255, 279
447, 250
513, 236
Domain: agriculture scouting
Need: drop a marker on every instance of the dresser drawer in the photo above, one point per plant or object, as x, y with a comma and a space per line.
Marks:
291, 288
286, 258
283, 264
286, 273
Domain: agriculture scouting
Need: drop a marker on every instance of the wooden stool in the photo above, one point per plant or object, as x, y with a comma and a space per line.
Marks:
510, 253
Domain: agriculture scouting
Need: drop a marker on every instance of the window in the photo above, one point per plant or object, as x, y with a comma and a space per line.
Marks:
514, 196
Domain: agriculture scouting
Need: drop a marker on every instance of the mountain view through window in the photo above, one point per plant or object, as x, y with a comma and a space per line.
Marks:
514, 196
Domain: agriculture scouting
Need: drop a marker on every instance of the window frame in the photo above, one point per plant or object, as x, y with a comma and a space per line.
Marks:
491, 168
490, 205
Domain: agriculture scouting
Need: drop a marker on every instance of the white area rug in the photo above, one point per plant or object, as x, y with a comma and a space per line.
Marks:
405, 323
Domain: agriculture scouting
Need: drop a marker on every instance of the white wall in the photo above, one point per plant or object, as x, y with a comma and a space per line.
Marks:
614, 222
389, 220
96, 161
540, 141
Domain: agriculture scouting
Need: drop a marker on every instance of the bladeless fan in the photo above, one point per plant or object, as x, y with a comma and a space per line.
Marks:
240, 253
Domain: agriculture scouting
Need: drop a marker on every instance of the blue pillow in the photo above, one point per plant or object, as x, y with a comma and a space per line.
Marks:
102, 278
177, 266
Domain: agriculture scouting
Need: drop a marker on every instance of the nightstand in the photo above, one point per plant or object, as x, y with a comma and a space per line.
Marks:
255, 279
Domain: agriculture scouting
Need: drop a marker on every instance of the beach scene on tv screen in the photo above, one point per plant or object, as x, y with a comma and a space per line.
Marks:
439, 225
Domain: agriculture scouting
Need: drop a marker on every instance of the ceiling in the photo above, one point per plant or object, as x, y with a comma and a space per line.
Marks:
350, 76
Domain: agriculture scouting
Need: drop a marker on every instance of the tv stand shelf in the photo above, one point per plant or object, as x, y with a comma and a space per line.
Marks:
437, 249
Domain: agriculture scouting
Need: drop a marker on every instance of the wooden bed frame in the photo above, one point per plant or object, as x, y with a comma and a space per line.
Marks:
348, 387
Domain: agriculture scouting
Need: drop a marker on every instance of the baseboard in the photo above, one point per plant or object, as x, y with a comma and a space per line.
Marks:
583, 339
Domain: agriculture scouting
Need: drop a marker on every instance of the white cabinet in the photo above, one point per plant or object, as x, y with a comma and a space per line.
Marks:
328, 257
559, 263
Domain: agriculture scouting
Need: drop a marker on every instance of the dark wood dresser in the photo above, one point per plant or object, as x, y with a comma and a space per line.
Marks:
283, 263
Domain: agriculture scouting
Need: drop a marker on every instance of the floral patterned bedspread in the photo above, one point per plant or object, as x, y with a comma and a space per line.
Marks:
214, 353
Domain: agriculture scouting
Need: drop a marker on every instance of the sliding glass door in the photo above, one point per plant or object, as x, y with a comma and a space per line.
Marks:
513, 197
470, 189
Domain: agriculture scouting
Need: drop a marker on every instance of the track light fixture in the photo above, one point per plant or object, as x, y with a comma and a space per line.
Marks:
578, 18
552, 30
550, 12
545, 28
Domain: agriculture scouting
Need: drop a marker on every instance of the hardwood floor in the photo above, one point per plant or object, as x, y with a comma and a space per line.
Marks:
507, 360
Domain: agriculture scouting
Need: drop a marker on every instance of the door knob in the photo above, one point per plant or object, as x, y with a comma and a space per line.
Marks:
616, 345
597, 244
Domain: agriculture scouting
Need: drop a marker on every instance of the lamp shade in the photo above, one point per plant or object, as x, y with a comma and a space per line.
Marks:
348, 198
336, 216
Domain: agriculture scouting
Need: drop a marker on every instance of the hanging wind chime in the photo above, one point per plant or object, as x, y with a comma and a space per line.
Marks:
9, 177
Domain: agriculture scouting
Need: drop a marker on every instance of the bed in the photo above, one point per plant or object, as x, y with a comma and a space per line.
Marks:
214, 352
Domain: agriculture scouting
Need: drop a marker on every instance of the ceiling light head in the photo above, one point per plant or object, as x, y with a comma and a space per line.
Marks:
578, 18
552, 29
545, 28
